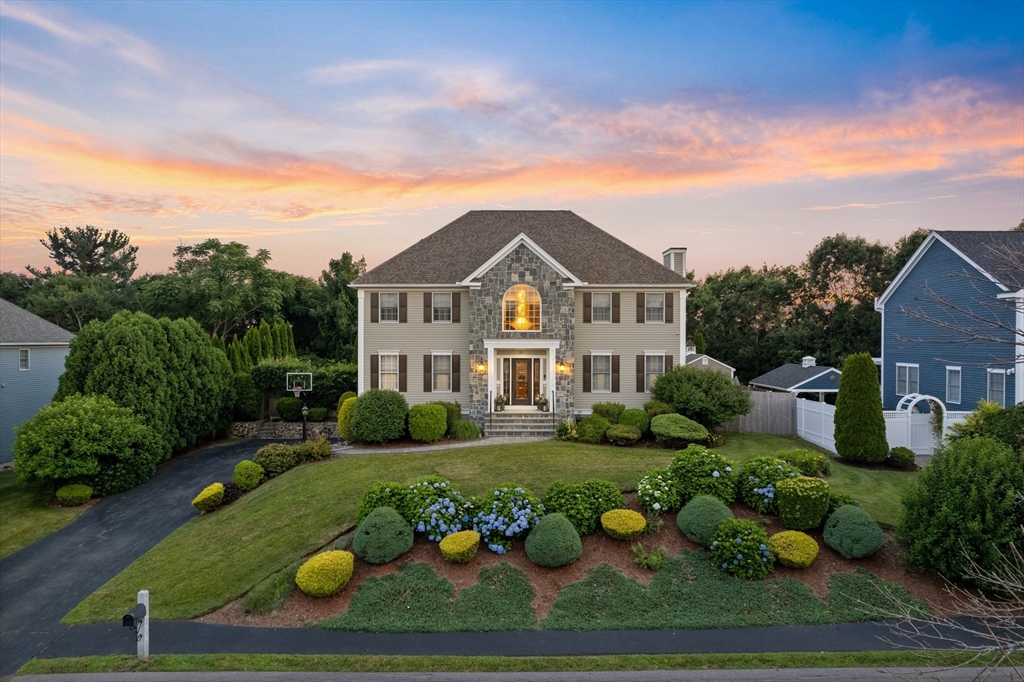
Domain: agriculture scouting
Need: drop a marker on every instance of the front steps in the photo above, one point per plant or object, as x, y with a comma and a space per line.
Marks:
520, 425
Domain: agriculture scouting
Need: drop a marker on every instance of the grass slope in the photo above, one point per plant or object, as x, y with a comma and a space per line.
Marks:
26, 514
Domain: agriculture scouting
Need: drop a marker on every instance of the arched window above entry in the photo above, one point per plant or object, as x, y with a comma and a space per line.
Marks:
521, 309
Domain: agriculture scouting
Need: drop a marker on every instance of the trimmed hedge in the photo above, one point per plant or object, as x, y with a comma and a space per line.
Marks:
698, 471
653, 408
741, 548
384, 494
382, 536
610, 411
592, 429
676, 431
289, 409
461, 547
809, 463
637, 418
247, 476
758, 482
623, 524
210, 498
793, 548
325, 574
853, 533
275, 458
379, 416
316, 414
803, 502
453, 413
73, 495
247, 398
554, 542
622, 435
345, 418
701, 517
583, 503
901, 458
428, 423
859, 424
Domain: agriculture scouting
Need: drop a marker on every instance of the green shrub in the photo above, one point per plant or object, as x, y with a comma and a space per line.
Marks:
964, 507
704, 395
329, 381
567, 430
658, 492
650, 561
592, 429
73, 495
697, 471
901, 458
978, 422
1007, 427
89, 440
741, 548
507, 512
464, 430
859, 424
325, 574
623, 524
554, 542
758, 480
853, 533
382, 536
793, 548
316, 414
379, 416
653, 408
384, 494
610, 411
453, 414
427, 423
436, 509
345, 396
247, 398
289, 409
461, 547
269, 594
803, 502
248, 475
345, 419
231, 493
583, 503
622, 435
315, 449
275, 458
209, 498
838, 499
636, 418
809, 463
676, 431
701, 517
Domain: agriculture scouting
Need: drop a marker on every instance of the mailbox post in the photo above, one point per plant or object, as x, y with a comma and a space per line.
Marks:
138, 620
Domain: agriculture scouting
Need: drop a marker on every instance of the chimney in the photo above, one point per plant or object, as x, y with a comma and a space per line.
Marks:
808, 361
675, 259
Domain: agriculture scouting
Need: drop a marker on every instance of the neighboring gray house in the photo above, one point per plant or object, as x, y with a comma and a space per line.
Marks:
32, 353
807, 377
702, 361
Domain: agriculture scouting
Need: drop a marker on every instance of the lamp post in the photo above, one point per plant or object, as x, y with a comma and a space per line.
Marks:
305, 411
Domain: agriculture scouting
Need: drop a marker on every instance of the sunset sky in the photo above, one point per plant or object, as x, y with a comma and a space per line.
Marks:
745, 132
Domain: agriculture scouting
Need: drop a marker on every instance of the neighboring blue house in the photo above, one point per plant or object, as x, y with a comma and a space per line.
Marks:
32, 353
807, 377
952, 322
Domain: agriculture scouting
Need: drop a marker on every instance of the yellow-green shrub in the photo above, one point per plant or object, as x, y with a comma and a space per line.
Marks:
460, 548
326, 573
211, 497
793, 548
73, 495
345, 419
803, 502
623, 524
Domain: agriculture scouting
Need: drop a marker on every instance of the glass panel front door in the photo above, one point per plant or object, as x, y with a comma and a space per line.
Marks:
522, 382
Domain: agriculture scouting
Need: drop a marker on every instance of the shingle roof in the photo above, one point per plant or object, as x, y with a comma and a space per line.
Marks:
18, 325
788, 376
694, 357
1000, 254
460, 247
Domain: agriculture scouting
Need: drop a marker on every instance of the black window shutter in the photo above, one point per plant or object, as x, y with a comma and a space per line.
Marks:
587, 297
456, 307
640, 371
668, 362
375, 307
374, 371
428, 384
641, 308
403, 307
615, 374
586, 374
428, 307
669, 307
615, 308
403, 367
456, 375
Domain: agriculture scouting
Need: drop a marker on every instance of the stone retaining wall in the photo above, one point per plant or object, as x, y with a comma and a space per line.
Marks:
282, 430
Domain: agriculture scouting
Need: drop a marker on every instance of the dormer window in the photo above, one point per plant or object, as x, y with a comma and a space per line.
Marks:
521, 306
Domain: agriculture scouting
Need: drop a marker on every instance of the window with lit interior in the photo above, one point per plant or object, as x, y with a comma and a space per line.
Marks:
522, 309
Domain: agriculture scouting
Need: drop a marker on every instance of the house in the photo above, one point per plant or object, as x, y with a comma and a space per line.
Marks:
952, 322
523, 305
807, 377
702, 361
32, 353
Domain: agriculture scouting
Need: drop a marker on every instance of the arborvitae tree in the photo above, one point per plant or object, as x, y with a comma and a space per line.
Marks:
859, 424
232, 353
267, 340
254, 345
698, 342
218, 343
292, 352
280, 342
245, 361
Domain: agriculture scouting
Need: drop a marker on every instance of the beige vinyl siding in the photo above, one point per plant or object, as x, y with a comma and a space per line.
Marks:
627, 339
417, 338
712, 364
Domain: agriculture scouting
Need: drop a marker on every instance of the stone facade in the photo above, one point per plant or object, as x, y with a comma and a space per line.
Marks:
521, 266
281, 430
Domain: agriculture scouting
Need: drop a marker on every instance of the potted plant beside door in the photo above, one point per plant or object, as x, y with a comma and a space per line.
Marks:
499, 403
541, 402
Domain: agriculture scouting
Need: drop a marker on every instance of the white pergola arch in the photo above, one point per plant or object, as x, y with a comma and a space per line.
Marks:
907, 402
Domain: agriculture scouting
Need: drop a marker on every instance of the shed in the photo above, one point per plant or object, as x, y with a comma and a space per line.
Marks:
807, 377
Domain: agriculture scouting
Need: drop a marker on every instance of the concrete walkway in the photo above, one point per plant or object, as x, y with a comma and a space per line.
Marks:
347, 449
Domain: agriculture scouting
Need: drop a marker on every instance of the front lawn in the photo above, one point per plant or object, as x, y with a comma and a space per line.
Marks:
26, 513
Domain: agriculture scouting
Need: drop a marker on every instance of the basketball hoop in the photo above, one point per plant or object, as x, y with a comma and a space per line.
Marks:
297, 390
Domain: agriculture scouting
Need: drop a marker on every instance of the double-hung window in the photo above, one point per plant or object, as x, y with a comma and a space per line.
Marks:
389, 308
655, 308
441, 367
442, 304
997, 386
601, 373
953, 375
388, 370
654, 367
907, 379
23, 359
601, 307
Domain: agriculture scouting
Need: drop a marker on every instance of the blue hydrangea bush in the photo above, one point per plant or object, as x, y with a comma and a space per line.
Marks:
697, 471
758, 480
508, 512
436, 509
741, 548
658, 492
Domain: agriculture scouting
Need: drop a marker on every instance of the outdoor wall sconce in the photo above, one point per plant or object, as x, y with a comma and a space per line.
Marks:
562, 368
481, 368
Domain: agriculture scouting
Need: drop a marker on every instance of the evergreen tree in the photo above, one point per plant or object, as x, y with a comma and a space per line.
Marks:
267, 340
859, 424
254, 345
233, 356
218, 342
245, 361
698, 342
280, 343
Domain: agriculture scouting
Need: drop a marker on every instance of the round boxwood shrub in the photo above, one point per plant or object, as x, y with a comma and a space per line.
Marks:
809, 463
901, 458
676, 431
507, 512
345, 419
637, 418
383, 536
379, 416
622, 435
741, 548
345, 396
325, 574
211, 497
658, 492
859, 424
853, 533
623, 524
583, 503
701, 517
247, 476
383, 494
73, 495
803, 502
757, 483
793, 548
554, 542
289, 409
453, 413
428, 423
316, 414
698, 471
461, 547
592, 429
464, 430
275, 458
610, 411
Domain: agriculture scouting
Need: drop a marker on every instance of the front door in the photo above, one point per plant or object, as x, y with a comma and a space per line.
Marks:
522, 381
